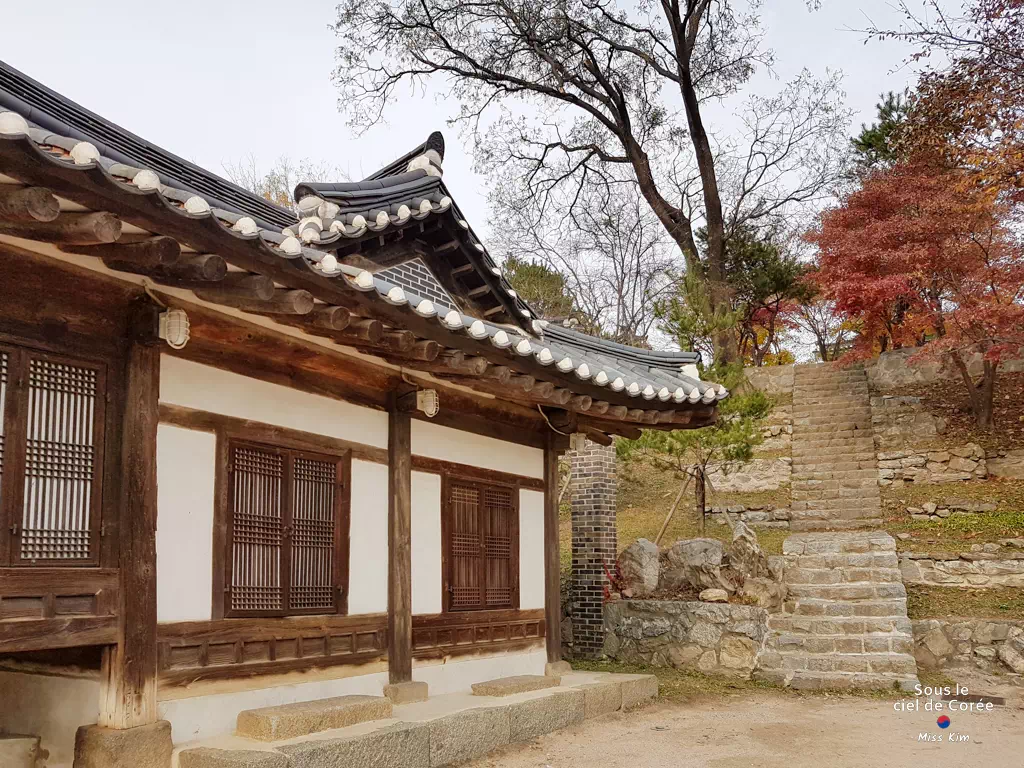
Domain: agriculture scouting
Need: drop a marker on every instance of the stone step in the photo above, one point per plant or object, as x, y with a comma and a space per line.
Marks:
852, 592
842, 464
853, 524
849, 387
827, 544
844, 643
809, 473
859, 417
506, 686
809, 399
899, 663
824, 454
818, 493
833, 485
804, 680
837, 505
843, 560
814, 606
288, 721
841, 625
19, 751
797, 575
854, 406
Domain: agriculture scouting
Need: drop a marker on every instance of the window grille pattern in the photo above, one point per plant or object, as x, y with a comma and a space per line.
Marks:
483, 540
286, 513
51, 451
313, 537
257, 528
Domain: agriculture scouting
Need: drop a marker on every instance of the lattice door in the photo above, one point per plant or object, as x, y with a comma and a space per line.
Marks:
466, 550
257, 529
314, 512
60, 494
498, 519
4, 368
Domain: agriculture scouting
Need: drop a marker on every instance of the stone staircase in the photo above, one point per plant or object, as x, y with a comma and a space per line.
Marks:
844, 623
835, 469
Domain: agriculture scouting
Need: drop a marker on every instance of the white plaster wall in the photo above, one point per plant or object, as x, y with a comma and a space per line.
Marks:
49, 707
426, 543
202, 717
200, 386
368, 539
459, 674
185, 468
531, 549
437, 442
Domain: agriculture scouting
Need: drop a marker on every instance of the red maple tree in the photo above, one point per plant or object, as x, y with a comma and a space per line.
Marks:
921, 257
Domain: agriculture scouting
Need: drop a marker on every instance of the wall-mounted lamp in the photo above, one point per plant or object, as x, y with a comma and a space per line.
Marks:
577, 441
428, 402
174, 328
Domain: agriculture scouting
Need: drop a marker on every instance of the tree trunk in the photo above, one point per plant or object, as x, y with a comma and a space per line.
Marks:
981, 394
700, 494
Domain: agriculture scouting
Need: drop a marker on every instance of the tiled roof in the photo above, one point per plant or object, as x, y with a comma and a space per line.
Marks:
636, 378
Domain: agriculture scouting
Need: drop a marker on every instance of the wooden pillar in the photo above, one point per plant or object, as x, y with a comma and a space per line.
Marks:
552, 561
128, 676
399, 546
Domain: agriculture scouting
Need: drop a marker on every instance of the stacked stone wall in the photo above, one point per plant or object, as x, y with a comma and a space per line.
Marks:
963, 569
959, 643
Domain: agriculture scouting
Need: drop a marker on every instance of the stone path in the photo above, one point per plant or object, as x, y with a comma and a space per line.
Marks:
845, 621
835, 468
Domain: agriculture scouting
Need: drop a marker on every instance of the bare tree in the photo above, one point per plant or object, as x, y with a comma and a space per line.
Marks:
832, 333
614, 255
582, 87
277, 183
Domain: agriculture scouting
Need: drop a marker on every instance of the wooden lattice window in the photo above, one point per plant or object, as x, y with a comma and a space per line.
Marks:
51, 455
480, 531
287, 532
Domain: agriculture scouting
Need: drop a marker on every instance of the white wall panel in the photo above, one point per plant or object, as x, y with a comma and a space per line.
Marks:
185, 469
426, 543
368, 539
447, 444
210, 389
531, 549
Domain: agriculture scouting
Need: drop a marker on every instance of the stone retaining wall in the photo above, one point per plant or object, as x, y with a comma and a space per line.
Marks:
771, 379
964, 569
713, 638
947, 643
1006, 464
965, 462
891, 369
754, 516
755, 475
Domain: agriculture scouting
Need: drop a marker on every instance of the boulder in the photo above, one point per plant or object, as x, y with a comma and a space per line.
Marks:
693, 562
640, 567
746, 559
764, 592
1011, 653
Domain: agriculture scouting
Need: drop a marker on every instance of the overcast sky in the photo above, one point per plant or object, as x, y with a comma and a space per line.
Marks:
213, 80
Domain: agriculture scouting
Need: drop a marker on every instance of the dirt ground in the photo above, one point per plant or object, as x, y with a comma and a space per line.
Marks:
773, 731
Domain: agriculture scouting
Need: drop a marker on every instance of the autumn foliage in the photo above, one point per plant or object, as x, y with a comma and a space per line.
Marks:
919, 256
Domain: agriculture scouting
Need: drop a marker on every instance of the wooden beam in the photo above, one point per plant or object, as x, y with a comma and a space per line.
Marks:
463, 269
399, 545
482, 290
141, 256
599, 407
330, 318
28, 204
630, 431
283, 301
581, 402
617, 411
451, 245
68, 228
57, 632
420, 352
524, 383
552, 562
499, 373
238, 286
597, 436
129, 669
361, 330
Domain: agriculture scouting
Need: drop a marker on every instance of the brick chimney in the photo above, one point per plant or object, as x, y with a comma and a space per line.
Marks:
593, 543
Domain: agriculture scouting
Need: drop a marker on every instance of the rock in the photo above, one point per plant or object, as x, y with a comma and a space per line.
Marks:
1011, 653
640, 567
916, 511
930, 507
938, 456
921, 517
1015, 543
765, 592
943, 513
746, 559
936, 643
903, 536
957, 464
737, 653
990, 547
714, 596
693, 562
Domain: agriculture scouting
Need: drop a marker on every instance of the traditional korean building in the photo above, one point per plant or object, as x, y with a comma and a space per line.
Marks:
251, 457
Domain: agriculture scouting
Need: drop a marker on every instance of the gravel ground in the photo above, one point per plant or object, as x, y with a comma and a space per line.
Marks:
776, 731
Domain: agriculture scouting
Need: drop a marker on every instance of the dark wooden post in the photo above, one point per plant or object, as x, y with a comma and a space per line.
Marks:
399, 545
128, 677
552, 562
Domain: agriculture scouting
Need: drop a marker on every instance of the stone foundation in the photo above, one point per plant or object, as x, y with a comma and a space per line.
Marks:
964, 569
951, 643
148, 746
713, 638
755, 475
754, 516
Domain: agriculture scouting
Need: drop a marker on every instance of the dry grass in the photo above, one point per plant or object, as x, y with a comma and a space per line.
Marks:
952, 602
949, 400
956, 532
645, 496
